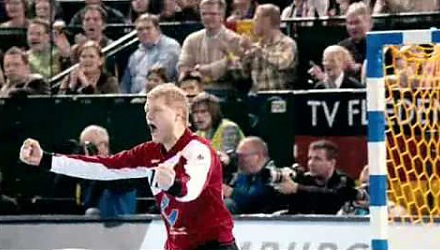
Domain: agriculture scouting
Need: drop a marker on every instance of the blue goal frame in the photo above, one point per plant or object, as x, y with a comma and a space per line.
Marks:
376, 104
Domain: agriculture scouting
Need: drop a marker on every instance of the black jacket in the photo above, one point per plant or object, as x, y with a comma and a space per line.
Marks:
347, 83
312, 198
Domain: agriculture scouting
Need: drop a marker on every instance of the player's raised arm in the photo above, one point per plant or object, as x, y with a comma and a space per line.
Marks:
123, 165
31, 152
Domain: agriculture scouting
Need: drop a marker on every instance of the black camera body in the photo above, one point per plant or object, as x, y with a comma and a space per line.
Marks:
232, 168
90, 148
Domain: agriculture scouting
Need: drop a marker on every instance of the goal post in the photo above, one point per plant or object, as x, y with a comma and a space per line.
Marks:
384, 96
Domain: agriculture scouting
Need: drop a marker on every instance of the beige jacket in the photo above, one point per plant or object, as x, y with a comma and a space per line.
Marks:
198, 48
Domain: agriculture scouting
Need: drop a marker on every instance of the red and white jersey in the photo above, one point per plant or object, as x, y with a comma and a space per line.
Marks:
194, 213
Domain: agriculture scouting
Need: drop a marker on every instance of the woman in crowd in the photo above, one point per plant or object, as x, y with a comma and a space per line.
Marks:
89, 77
48, 10
16, 11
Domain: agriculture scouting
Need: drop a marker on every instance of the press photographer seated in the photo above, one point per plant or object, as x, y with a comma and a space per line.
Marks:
321, 190
251, 190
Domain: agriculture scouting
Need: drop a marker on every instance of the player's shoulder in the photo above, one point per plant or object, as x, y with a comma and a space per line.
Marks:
196, 139
149, 146
198, 145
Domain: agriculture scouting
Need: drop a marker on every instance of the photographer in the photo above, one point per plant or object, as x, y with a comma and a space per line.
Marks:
250, 191
108, 198
321, 190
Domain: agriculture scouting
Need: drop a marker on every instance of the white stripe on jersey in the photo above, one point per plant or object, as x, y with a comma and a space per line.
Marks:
95, 171
198, 163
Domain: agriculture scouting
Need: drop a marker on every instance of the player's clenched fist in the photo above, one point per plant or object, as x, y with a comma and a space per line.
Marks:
31, 152
165, 176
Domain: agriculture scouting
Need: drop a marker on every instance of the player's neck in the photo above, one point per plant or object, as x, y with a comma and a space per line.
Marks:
176, 135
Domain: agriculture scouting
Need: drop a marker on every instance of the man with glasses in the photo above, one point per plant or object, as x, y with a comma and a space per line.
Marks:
155, 50
250, 191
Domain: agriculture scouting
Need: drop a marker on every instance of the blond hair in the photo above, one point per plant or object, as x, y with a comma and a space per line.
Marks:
173, 97
341, 54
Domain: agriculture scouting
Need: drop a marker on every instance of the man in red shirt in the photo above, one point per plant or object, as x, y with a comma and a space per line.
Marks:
184, 172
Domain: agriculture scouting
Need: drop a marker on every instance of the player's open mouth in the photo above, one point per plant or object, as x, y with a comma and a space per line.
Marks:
152, 127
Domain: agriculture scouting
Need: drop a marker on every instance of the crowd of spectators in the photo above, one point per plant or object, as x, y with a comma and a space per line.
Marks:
214, 59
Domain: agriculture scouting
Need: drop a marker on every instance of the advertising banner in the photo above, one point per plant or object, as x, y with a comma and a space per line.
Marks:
257, 232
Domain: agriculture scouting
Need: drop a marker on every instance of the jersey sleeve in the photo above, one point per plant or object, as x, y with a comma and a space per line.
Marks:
124, 165
197, 168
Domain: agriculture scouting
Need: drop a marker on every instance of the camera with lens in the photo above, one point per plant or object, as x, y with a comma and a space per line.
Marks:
273, 175
72, 146
90, 148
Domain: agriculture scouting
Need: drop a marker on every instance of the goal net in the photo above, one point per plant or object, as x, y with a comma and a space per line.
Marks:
412, 74
403, 99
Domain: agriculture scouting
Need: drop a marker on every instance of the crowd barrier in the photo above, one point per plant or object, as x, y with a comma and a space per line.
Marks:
147, 232
280, 118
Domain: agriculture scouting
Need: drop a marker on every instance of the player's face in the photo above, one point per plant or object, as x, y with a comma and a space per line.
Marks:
201, 117
319, 165
160, 119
